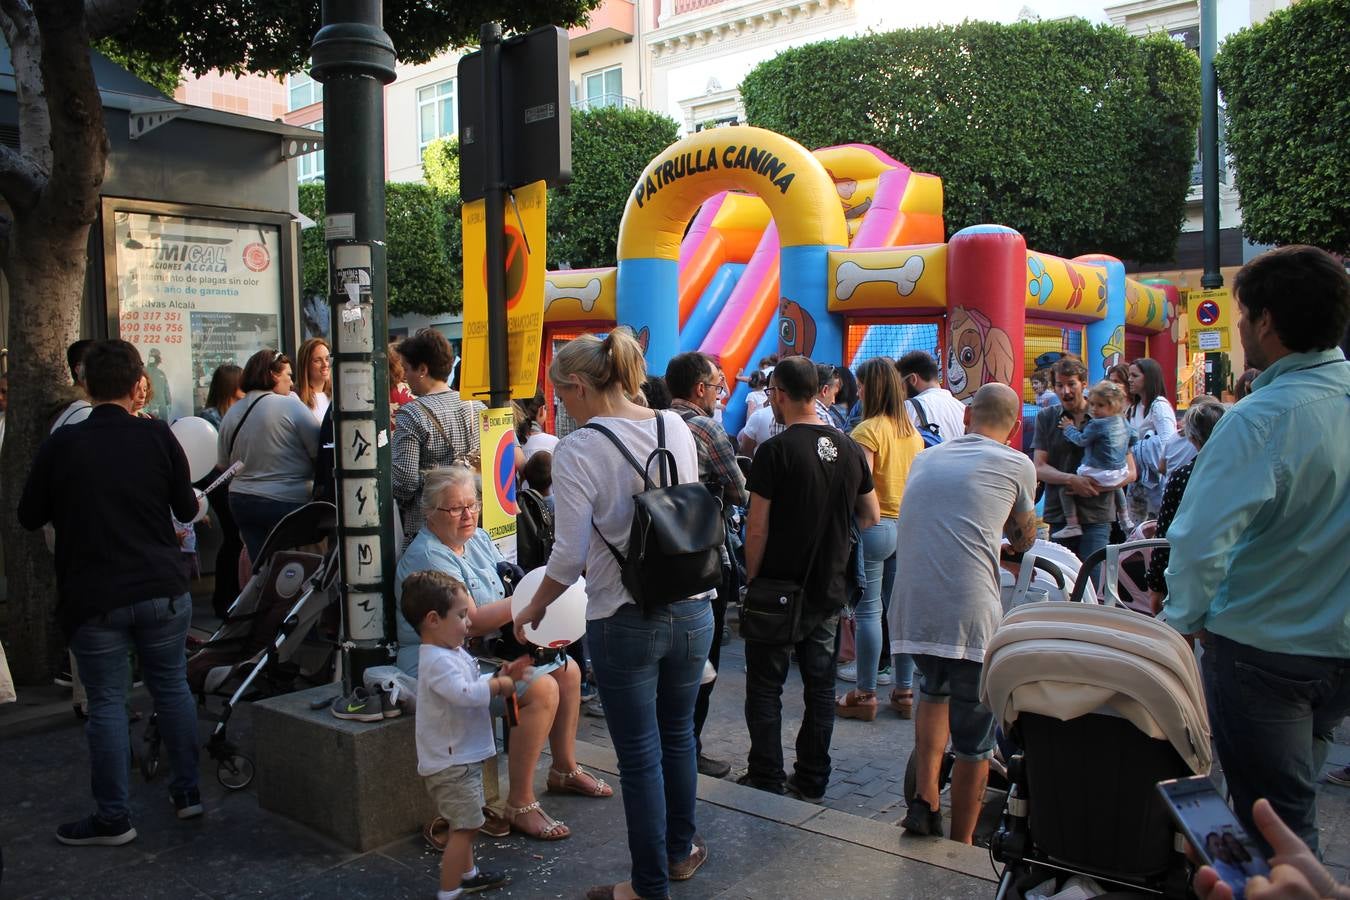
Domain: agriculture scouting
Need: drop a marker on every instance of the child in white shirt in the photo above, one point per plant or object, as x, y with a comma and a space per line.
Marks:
454, 727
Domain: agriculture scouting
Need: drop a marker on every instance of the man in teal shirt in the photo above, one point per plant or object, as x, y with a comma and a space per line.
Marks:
1259, 559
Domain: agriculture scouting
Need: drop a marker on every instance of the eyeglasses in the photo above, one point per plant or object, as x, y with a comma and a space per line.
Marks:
460, 511
721, 387
771, 390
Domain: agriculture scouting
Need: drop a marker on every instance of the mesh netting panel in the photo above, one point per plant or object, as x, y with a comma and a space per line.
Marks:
893, 339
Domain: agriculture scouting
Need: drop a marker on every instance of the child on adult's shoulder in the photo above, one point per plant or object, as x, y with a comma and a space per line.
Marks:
454, 728
1105, 441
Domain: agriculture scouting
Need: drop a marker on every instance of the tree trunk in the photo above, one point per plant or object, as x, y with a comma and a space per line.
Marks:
45, 267
46, 283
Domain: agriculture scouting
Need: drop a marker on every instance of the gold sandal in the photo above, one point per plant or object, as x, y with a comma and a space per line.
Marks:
567, 783
553, 830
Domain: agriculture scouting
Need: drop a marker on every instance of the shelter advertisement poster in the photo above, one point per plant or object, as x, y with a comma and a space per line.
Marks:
497, 450
526, 226
195, 294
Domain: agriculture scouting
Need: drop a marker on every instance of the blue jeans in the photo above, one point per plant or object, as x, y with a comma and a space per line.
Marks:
956, 683
648, 670
878, 543
256, 517
1273, 716
766, 668
1095, 537
158, 630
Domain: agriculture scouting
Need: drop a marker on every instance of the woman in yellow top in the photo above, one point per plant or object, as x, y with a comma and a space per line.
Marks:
890, 443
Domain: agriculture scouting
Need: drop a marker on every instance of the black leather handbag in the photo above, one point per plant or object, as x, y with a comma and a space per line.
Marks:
675, 543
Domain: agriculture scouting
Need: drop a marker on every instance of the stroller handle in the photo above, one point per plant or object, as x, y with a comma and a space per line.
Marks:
1109, 594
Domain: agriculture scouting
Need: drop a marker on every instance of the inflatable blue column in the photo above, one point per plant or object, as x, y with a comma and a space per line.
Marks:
1106, 337
647, 289
806, 327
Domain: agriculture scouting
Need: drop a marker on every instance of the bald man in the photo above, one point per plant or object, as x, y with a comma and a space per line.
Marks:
962, 496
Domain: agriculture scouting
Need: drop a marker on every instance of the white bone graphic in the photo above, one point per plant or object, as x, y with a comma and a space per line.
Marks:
851, 276
586, 295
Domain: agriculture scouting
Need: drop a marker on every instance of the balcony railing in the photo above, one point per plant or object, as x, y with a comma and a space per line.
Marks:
599, 101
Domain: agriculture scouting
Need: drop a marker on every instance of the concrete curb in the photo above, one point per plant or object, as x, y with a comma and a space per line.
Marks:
960, 858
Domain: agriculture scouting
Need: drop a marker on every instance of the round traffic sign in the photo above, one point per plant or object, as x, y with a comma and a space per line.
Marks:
515, 259
1207, 313
504, 473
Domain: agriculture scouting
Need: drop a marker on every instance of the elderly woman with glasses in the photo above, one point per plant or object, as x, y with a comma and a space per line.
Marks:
450, 541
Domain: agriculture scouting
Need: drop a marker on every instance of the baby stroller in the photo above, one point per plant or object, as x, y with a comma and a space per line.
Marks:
267, 643
1104, 703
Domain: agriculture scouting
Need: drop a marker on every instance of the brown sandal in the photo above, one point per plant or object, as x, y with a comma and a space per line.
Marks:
553, 829
569, 783
437, 833
903, 703
856, 705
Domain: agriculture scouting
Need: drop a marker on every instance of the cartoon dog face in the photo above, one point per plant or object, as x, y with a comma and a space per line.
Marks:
977, 353
796, 330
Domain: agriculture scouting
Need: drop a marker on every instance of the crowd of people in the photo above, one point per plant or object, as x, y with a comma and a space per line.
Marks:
871, 502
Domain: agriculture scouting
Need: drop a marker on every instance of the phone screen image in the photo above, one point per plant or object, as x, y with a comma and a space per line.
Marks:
1216, 834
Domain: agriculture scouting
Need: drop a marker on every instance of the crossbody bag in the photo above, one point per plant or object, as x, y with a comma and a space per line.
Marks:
771, 612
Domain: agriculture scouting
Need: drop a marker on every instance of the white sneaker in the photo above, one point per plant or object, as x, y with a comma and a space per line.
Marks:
1068, 531
885, 676
847, 672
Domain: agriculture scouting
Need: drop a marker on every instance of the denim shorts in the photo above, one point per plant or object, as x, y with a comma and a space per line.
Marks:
956, 682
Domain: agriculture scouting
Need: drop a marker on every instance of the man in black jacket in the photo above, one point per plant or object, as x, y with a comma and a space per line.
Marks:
108, 484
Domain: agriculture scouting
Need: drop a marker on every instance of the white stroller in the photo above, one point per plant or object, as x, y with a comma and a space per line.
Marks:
1104, 703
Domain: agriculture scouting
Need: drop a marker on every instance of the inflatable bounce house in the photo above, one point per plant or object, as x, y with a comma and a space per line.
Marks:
739, 242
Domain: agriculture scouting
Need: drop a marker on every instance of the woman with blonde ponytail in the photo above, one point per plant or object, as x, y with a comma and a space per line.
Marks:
647, 666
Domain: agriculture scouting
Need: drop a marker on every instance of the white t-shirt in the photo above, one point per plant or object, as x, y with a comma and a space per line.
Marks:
540, 440
454, 727
77, 411
942, 409
760, 426
321, 403
754, 402
958, 497
593, 482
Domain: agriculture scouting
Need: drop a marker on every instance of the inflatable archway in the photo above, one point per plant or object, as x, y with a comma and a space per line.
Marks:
808, 222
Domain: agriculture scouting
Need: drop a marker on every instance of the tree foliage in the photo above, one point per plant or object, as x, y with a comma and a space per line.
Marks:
1080, 136
162, 76
1285, 82
610, 148
273, 36
424, 270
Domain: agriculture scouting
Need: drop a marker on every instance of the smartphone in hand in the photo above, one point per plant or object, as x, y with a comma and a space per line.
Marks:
1214, 831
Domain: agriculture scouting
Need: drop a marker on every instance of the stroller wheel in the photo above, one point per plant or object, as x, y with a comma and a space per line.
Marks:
235, 772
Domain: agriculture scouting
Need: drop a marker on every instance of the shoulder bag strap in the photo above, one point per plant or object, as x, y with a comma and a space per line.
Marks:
229, 451
918, 409
437, 422
632, 461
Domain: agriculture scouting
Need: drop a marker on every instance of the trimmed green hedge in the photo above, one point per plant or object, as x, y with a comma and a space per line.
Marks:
1080, 136
1287, 86
610, 148
423, 274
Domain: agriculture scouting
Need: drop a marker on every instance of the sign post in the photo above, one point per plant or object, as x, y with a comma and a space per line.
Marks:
354, 59
515, 138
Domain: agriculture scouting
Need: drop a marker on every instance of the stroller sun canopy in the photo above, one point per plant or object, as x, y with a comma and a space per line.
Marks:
1067, 660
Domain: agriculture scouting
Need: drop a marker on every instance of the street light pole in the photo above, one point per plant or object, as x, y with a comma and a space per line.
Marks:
354, 59
1209, 143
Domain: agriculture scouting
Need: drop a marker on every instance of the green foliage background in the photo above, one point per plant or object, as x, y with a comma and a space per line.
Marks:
1079, 136
423, 276
1286, 81
610, 148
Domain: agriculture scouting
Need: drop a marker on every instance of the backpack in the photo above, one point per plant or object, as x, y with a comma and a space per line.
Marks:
927, 430
675, 543
534, 529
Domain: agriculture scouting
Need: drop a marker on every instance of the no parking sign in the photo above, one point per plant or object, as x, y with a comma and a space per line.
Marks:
1208, 314
497, 443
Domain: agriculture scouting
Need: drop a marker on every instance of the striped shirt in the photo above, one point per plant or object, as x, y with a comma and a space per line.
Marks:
435, 430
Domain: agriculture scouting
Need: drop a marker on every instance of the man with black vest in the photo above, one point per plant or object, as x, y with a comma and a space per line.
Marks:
697, 383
